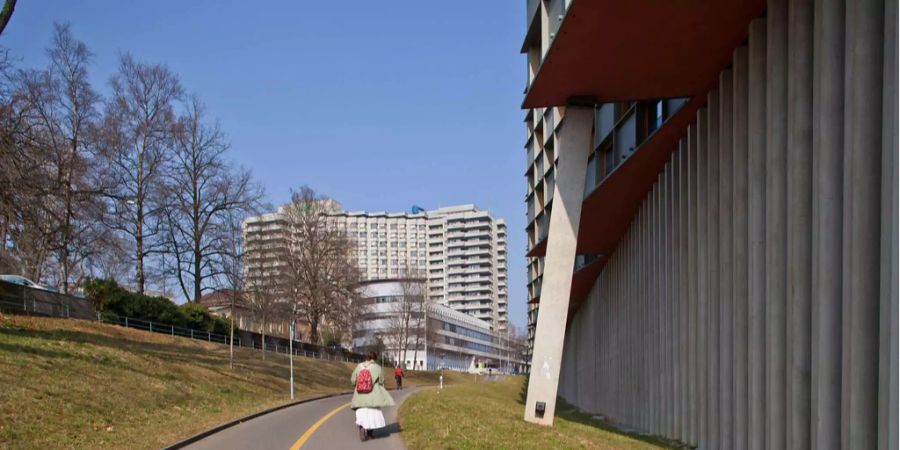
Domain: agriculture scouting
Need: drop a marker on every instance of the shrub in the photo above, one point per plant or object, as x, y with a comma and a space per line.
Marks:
114, 301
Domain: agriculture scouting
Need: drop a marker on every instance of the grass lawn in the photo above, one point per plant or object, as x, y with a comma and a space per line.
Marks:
77, 384
489, 415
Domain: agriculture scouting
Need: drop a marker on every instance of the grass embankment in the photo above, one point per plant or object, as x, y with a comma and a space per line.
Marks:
489, 415
76, 384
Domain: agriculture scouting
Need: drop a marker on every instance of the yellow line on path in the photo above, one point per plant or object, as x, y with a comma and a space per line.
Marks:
316, 426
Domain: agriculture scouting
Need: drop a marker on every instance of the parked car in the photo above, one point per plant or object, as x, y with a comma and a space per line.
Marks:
22, 281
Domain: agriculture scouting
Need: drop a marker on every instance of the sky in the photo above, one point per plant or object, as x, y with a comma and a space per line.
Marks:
379, 105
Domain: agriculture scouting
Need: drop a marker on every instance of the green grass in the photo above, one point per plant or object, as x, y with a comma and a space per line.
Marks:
489, 415
76, 384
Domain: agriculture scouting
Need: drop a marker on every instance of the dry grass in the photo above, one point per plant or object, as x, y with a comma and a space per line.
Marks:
489, 416
76, 384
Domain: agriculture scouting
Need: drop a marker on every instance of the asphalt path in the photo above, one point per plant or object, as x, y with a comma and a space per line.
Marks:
322, 424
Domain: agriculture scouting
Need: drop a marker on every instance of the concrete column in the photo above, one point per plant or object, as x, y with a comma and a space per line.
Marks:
887, 375
672, 299
776, 222
799, 220
726, 258
756, 233
862, 147
828, 137
642, 280
691, 275
657, 306
702, 323
740, 311
574, 139
666, 253
683, 340
712, 247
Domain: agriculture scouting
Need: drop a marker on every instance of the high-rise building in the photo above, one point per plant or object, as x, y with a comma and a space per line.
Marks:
460, 250
467, 262
719, 270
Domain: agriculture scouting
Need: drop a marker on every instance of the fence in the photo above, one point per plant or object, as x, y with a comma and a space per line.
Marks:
17, 299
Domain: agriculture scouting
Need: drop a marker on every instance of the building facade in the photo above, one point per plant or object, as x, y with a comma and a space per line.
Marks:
467, 264
732, 281
461, 251
436, 336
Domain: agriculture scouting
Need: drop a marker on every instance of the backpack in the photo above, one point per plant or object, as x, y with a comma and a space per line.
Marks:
364, 383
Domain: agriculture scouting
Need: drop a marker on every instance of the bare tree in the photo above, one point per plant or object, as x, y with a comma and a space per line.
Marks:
49, 127
232, 269
264, 303
75, 181
318, 281
415, 295
201, 190
139, 130
407, 315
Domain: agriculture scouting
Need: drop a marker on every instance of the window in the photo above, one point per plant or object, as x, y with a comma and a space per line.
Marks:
393, 226
659, 114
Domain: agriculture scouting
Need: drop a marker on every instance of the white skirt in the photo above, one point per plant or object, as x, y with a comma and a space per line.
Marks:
369, 418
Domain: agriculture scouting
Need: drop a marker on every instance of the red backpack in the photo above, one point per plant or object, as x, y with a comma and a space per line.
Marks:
364, 383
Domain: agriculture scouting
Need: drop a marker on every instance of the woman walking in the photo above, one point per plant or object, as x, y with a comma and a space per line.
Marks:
369, 396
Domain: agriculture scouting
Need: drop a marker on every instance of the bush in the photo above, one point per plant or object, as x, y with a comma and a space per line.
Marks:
114, 302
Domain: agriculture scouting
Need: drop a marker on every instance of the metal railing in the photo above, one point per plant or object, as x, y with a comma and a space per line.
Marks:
273, 343
18, 299
21, 300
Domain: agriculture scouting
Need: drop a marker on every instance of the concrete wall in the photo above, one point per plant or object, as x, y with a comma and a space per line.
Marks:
753, 302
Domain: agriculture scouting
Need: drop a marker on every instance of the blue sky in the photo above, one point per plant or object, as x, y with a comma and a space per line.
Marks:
380, 105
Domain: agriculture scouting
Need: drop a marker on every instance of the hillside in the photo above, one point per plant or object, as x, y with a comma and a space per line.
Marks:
77, 384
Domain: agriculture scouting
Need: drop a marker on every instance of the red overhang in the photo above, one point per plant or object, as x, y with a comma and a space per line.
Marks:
623, 50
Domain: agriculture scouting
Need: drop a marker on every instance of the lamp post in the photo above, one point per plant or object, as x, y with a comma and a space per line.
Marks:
291, 356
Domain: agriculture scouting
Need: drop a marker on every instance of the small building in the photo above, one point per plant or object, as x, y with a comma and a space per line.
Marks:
219, 303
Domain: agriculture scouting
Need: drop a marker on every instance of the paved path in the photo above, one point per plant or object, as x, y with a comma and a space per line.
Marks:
321, 424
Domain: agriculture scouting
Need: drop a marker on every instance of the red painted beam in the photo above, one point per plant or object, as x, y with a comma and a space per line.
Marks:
615, 50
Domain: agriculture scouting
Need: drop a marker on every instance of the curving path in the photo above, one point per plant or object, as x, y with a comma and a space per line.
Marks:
320, 424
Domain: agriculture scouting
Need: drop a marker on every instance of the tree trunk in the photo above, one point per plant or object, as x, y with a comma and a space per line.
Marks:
198, 286
264, 340
314, 331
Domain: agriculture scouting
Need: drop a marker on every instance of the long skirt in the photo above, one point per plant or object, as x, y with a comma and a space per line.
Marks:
369, 418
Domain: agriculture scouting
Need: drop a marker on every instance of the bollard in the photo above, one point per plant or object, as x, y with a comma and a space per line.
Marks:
192, 333
173, 329
151, 326
126, 321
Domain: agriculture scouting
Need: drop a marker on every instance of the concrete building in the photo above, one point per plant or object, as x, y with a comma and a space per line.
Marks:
450, 339
732, 283
467, 264
461, 250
